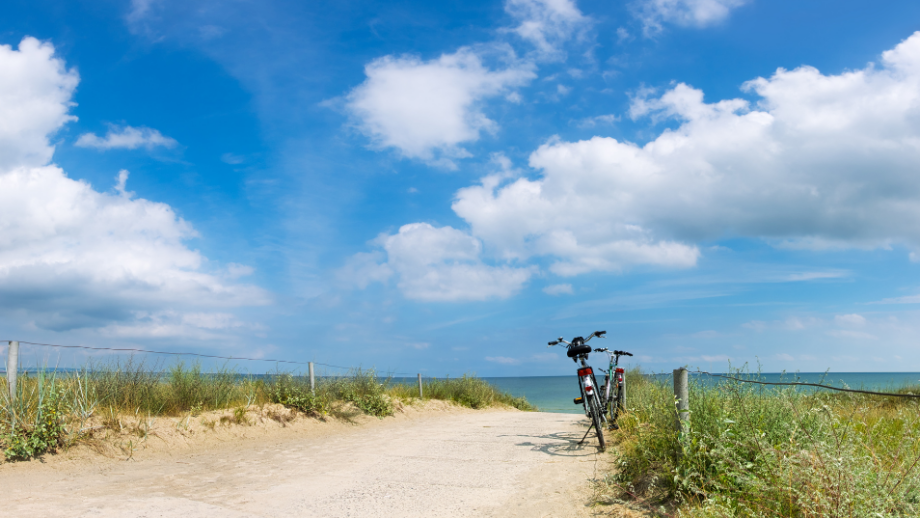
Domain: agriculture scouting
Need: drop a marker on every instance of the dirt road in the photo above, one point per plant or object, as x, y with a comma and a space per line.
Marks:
493, 463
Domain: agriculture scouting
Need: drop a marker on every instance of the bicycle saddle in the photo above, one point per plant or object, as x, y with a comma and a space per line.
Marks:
578, 347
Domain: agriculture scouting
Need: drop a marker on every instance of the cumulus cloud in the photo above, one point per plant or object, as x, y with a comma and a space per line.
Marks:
850, 334
173, 324
427, 109
850, 320
820, 161
547, 24
687, 13
436, 264
504, 360
35, 93
73, 257
908, 299
558, 289
126, 137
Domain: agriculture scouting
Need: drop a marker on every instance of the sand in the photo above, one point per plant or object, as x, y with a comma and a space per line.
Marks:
432, 461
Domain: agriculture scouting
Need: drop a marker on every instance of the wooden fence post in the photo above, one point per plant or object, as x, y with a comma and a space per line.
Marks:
682, 399
12, 367
420, 386
312, 379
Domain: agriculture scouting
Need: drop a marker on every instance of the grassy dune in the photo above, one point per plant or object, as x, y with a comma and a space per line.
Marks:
756, 452
52, 409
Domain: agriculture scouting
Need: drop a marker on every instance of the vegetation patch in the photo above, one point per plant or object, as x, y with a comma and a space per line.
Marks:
754, 451
57, 409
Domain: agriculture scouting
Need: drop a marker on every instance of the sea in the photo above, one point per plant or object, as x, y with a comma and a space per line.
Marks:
556, 393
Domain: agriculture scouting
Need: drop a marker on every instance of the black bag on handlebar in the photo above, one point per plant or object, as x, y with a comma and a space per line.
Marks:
578, 347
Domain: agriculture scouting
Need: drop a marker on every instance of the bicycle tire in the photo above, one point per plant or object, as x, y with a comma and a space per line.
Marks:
619, 404
596, 417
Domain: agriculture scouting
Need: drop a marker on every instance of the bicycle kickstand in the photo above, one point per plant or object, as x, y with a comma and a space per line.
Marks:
586, 434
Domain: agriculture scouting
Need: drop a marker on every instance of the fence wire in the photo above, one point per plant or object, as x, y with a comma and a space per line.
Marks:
199, 355
806, 384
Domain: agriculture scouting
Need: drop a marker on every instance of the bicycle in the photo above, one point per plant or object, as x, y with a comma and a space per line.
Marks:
587, 384
616, 384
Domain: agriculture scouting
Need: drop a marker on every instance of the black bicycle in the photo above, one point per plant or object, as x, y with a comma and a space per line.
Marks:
591, 398
613, 393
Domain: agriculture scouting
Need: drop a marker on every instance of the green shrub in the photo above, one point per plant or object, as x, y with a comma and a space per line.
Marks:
294, 392
33, 424
471, 392
364, 390
756, 452
53, 409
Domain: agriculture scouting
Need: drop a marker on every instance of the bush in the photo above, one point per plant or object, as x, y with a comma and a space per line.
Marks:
33, 424
294, 392
755, 452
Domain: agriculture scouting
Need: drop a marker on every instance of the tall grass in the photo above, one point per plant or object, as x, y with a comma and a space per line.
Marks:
756, 452
52, 409
468, 391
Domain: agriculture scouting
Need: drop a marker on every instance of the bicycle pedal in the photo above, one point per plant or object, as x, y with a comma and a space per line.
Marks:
614, 427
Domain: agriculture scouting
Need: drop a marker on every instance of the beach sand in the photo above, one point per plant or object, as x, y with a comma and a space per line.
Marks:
432, 460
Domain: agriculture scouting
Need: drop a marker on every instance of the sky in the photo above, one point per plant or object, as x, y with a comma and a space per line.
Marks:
444, 187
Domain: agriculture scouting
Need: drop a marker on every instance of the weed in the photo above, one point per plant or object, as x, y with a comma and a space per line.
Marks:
754, 453
127, 396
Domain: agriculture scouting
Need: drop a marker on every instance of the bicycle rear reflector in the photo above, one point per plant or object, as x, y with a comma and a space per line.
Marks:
585, 371
620, 370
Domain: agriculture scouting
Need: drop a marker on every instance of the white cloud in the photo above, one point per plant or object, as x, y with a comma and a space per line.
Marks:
820, 161
436, 264
504, 360
591, 122
538, 217
126, 137
364, 268
73, 257
846, 333
547, 24
785, 357
908, 299
172, 324
232, 159
139, 10
811, 276
687, 13
850, 320
35, 90
706, 334
558, 289
427, 109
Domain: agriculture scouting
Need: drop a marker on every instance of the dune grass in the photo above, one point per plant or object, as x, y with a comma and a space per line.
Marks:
760, 452
52, 409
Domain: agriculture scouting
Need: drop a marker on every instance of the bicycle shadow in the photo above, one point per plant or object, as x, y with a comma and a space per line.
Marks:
561, 444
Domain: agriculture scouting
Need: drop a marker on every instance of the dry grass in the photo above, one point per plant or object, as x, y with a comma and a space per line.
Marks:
54, 410
768, 453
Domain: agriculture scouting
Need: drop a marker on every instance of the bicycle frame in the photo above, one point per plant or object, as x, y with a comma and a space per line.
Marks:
591, 393
614, 376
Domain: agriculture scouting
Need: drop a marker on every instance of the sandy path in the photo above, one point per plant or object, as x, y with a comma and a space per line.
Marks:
497, 463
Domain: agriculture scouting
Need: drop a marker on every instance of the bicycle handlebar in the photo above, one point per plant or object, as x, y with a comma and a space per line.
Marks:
620, 353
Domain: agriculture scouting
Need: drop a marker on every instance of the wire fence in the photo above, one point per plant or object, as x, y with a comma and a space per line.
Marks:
806, 384
44, 360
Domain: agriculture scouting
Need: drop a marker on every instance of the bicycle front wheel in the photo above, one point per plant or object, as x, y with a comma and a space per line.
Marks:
597, 417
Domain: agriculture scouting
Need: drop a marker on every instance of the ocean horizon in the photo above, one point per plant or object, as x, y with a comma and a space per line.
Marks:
556, 393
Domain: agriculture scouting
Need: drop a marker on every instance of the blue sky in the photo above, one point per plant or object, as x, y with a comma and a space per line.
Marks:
444, 187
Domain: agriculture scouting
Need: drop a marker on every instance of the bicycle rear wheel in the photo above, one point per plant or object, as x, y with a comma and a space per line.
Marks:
619, 404
597, 417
